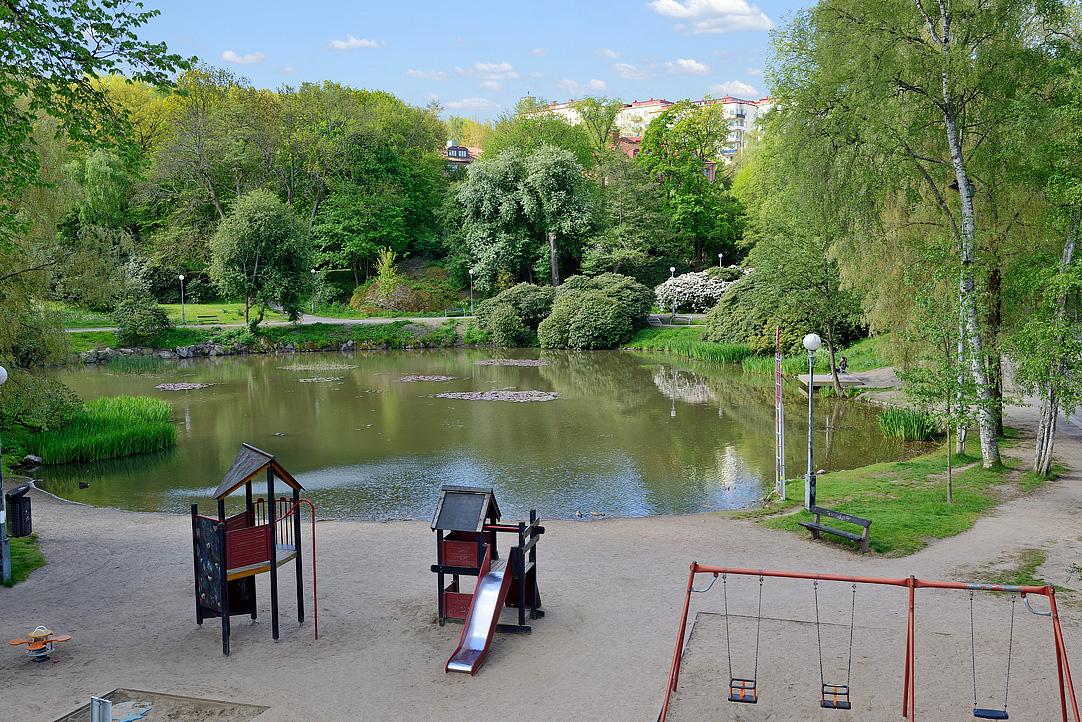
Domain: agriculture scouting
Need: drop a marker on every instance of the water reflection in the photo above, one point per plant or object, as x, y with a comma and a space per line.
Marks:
630, 434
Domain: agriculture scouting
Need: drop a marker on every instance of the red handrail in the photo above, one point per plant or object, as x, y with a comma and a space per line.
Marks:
912, 584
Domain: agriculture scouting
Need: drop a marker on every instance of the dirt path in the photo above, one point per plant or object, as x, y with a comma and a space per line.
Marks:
120, 582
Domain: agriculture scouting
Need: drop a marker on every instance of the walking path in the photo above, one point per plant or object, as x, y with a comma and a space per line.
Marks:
121, 583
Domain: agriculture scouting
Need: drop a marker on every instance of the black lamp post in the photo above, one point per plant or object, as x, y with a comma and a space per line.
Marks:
812, 342
5, 548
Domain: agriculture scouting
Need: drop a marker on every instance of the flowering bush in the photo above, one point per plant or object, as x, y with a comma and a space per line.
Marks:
696, 292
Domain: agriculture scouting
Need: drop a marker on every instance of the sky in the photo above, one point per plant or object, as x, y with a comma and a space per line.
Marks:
478, 58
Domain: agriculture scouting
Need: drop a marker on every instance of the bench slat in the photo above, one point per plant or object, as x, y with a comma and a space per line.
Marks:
841, 516
831, 530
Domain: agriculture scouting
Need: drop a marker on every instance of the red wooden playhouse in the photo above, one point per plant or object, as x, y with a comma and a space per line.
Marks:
466, 523
231, 550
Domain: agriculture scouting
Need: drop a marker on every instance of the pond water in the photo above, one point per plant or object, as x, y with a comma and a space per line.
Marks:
629, 434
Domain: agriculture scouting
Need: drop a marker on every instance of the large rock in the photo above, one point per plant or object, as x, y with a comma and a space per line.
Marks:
29, 462
89, 357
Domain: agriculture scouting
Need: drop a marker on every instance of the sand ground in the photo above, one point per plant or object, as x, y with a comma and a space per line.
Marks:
121, 583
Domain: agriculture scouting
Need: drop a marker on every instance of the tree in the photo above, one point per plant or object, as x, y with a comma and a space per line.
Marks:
554, 199
598, 117
261, 253
532, 126
467, 131
354, 223
49, 60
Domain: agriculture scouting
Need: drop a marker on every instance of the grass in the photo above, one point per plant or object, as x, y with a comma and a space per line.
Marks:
688, 343
136, 364
107, 428
89, 340
864, 355
906, 500
26, 556
907, 424
1024, 570
342, 310
226, 312
73, 317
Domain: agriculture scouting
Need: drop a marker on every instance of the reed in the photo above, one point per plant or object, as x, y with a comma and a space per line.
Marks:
907, 424
107, 428
136, 364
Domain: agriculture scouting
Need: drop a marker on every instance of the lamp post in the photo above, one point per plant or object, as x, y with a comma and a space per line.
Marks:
313, 271
5, 549
812, 342
181, 277
672, 275
719, 259
471, 291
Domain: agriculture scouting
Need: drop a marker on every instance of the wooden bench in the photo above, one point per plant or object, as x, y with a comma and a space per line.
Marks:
454, 312
816, 527
209, 319
680, 320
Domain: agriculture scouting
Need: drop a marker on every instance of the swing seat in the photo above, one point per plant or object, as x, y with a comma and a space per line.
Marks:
835, 696
982, 713
743, 690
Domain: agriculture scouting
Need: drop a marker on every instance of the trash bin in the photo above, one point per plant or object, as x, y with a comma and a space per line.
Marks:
18, 511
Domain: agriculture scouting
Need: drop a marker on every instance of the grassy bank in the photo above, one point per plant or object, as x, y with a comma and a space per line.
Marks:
906, 500
224, 312
26, 556
687, 343
107, 428
864, 355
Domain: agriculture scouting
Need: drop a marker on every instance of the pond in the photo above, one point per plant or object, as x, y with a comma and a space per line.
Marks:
628, 434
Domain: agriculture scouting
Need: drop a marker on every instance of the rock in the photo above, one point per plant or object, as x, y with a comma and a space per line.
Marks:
597, 513
89, 357
29, 461
106, 355
166, 354
185, 351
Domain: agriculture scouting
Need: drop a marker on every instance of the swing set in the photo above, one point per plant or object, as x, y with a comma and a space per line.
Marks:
836, 696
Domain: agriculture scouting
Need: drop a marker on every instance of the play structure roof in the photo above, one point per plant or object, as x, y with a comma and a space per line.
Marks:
249, 463
464, 508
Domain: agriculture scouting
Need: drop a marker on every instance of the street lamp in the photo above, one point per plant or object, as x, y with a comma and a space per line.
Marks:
719, 259
313, 271
672, 275
812, 343
181, 277
5, 549
471, 291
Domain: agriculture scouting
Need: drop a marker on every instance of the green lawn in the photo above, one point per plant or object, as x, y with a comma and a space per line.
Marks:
88, 340
26, 556
73, 317
688, 343
906, 500
341, 310
225, 312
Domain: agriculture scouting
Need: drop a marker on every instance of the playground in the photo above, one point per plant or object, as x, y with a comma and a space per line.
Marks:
120, 583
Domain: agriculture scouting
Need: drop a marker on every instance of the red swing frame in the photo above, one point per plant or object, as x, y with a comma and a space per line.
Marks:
912, 584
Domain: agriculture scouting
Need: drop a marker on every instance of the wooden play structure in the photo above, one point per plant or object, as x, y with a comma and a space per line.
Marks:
466, 522
837, 695
40, 643
231, 550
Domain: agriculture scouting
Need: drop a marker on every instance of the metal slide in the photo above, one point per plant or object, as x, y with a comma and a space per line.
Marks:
488, 601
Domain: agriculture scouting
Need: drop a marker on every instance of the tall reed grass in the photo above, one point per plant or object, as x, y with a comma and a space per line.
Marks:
907, 424
106, 428
688, 344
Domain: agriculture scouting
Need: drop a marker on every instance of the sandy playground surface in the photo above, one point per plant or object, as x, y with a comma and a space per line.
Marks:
121, 583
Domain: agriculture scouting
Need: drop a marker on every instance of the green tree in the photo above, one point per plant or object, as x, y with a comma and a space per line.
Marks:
554, 198
354, 223
598, 118
261, 253
532, 126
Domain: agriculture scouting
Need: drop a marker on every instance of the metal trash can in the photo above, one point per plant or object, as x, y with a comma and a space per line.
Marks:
18, 512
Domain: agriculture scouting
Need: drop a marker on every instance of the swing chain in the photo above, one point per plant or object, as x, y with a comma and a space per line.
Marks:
725, 598
852, 624
758, 624
973, 649
1010, 649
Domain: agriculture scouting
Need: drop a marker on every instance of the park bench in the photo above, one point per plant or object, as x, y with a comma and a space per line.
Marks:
680, 320
453, 312
207, 319
816, 527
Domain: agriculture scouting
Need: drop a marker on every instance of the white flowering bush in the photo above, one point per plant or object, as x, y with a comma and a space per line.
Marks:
696, 292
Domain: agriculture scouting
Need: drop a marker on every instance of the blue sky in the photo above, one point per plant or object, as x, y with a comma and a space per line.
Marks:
478, 58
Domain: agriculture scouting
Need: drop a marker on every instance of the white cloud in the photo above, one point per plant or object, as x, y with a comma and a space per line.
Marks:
754, 72
288, 70
496, 71
427, 74
574, 87
231, 57
538, 52
606, 53
627, 71
713, 16
687, 66
735, 88
351, 42
471, 104
492, 85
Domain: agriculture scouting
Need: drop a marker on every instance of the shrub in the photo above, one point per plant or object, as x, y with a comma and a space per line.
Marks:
633, 298
431, 292
106, 428
585, 319
474, 335
504, 326
726, 273
531, 304
697, 292
907, 424
139, 319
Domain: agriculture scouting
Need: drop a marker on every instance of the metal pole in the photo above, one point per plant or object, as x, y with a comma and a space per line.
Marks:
471, 293
5, 548
182, 320
809, 480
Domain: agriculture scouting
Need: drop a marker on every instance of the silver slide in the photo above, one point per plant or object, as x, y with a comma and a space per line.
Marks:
488, 602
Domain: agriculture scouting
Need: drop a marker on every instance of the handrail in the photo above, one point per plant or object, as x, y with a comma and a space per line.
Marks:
292, 508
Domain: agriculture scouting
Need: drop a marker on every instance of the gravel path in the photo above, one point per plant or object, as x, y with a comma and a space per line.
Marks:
121, 583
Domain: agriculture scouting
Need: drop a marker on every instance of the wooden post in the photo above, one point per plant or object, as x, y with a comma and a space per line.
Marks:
439, 576
222, 539
195, 551
297, 544
271, 523
520, 561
